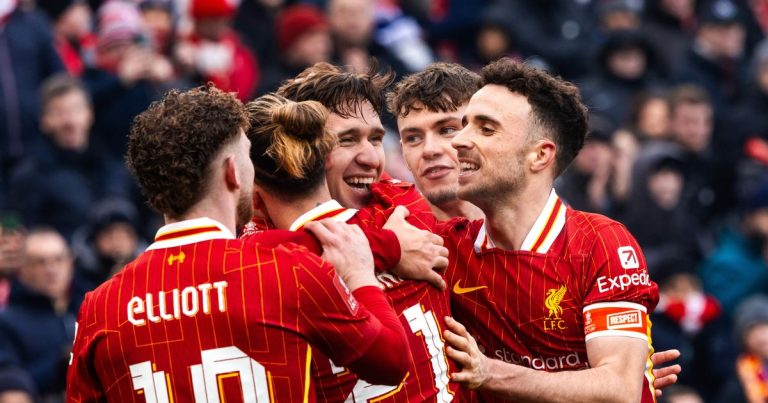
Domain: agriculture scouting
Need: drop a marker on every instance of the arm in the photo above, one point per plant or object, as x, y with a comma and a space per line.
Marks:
617, 364
373, 343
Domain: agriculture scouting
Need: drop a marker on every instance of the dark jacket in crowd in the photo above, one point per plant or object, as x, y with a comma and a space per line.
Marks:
115, 105
558, 31
36, 338
58, 187
27, 57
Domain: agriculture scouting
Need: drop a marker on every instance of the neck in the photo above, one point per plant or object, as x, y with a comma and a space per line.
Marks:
60, 304
283, 213
456, 208
508, 222
215, 207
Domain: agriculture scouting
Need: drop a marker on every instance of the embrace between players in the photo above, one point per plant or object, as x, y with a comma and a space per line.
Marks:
550, 303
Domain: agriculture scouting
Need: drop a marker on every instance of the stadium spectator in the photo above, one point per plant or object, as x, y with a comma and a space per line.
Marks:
738, 267
586, 185
625, 69
557, 31
619, 15
670, 26
128, 74
38, 326
255, 22
24, 64
107, 242
214, 51
303, 39
716, 59
752, 326
69, 172
352, 29
71, 21
158, 19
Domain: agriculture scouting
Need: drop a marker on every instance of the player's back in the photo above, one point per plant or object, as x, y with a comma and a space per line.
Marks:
212, 320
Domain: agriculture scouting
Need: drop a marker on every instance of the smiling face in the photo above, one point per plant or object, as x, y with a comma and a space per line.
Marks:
426, 142
358, 159
493, 145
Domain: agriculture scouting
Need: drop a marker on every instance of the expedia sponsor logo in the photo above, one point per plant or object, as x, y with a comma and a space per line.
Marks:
569, 361
625, 320
605, 283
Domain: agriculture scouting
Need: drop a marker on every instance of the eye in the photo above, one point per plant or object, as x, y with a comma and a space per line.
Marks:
412, 139
487, 130
448, 130
346, 140
376, 139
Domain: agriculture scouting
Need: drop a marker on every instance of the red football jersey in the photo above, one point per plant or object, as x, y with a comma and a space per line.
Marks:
576, 277
421, 309
201, 316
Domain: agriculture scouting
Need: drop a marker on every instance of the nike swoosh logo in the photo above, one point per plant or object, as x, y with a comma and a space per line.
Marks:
457, 289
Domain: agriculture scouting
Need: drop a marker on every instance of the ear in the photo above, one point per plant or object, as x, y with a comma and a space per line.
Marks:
543, 155
230, 173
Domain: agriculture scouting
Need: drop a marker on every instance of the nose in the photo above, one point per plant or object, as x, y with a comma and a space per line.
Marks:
461, 141
431, 148
368, 156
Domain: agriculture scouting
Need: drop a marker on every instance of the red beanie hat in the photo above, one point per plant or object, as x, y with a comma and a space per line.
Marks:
213, 8
296, 21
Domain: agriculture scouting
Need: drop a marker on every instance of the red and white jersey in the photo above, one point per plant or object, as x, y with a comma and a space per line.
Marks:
201, 316
388, 194
421, 309
577, 276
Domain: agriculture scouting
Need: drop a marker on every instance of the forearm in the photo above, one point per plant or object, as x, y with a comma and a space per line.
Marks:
387, 360
519, 383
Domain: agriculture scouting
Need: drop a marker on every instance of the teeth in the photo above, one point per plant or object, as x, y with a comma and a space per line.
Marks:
359, 182
468, 166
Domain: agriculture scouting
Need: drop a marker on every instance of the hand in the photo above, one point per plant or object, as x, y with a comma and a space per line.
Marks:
134, 66
665, 376
160, 69
464, 350
347, 249
420, 251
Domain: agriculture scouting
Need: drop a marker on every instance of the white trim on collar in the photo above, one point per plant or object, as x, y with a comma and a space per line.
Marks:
326, 208
209, 229
548, 225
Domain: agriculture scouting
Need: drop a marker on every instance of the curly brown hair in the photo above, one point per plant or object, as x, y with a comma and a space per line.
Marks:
342, 92
172, 144
289, 144
441, 87
555, 104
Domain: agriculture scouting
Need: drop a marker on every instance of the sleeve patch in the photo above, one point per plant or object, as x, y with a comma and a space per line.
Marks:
346, 295
628, 257
615, 319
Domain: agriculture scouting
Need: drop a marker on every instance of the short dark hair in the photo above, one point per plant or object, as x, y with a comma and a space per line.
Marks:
58, 85
688, 94
172, 144
441, 87
341, 92
556, 104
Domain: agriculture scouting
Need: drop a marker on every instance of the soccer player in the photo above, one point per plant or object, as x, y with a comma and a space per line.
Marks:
429, 107
202, 316
352, 170
541, 286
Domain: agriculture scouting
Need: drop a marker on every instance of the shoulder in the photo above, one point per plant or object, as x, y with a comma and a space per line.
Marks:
592, 224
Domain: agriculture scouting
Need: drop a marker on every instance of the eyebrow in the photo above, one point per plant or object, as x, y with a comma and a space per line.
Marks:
487, 119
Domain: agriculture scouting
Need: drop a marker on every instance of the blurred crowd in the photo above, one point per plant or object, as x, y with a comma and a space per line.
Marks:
678, 151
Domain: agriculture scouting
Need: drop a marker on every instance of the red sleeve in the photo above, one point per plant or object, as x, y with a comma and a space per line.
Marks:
621, 295
348, 333
82, 382
389, 350
385, 246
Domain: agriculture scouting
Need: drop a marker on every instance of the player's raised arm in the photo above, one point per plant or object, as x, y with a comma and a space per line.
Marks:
384, 358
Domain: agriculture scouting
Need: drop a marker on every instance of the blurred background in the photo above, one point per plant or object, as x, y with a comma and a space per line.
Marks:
678, 151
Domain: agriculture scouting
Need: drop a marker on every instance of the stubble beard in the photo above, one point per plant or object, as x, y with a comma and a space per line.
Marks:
244, 209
